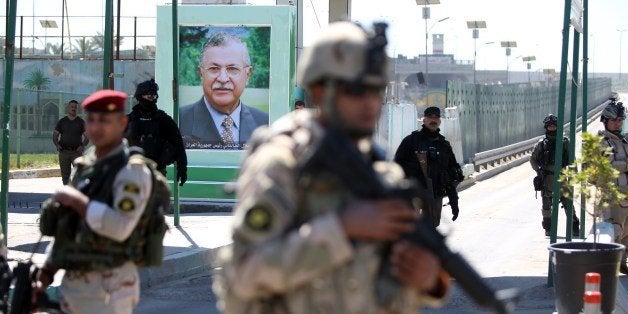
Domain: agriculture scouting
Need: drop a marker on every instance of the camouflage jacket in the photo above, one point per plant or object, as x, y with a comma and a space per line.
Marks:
619, 160
290, 253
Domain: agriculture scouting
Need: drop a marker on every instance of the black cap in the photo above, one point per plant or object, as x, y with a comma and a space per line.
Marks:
431, 110
146, 88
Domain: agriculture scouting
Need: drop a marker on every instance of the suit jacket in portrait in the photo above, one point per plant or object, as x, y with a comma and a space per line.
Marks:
199, 130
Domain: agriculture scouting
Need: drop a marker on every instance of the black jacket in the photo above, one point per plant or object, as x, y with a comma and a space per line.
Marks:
443, 169
156, 132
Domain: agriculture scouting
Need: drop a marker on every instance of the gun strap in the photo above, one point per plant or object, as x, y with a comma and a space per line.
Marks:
36, 247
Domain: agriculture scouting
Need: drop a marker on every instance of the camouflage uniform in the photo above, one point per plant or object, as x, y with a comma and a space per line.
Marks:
114, 290
290, 253
542, 161
618, 214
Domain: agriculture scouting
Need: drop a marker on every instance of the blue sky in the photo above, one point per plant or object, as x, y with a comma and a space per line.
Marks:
536, 26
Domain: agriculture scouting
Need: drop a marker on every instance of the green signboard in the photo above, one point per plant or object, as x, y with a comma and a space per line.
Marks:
236, 61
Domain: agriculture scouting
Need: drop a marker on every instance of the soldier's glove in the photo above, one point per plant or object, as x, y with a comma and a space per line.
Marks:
455, 210
182, 173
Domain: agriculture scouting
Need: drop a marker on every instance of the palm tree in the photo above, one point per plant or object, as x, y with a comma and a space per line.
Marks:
83, 46
37, 81
55, 49
99, 41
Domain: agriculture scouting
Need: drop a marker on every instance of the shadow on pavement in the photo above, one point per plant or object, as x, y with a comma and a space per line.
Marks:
534, 296
30, 247
22, 202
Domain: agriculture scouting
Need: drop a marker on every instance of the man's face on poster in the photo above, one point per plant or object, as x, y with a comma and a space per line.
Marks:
224, 74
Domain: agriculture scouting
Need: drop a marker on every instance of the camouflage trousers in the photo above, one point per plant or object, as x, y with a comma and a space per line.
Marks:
112, 291
547, 196
618, 216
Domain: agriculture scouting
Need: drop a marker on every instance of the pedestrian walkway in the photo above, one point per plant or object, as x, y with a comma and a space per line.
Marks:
188, 249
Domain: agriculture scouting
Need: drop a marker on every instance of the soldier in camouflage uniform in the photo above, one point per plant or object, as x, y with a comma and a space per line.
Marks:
613, 117
99, 279
307, 244
542, 161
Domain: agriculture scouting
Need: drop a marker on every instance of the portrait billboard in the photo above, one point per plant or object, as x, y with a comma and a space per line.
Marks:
268, 33
223, 84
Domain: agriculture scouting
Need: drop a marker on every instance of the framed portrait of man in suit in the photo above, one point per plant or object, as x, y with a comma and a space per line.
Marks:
224, 84
243, 80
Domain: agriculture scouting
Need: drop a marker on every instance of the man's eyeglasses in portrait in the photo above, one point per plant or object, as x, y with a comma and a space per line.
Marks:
232, 70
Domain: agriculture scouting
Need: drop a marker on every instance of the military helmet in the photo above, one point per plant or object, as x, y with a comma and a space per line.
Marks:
346, 52
613, 111
146, 88
549, 120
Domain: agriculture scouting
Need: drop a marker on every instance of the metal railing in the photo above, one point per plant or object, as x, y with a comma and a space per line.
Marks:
498, 156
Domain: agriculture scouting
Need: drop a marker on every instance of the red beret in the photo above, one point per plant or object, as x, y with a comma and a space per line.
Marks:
105, 100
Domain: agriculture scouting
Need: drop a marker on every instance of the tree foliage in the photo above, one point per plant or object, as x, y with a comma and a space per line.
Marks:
259, 49
592, 175
37, 81
83, 46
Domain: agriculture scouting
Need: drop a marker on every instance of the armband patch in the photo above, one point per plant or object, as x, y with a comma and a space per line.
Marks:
258, 218
126, 205
132, 188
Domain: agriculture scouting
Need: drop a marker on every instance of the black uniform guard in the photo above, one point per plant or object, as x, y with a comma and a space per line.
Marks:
156, 132
428, 157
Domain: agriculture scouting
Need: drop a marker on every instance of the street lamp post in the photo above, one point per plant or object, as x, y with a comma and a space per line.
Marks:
426, 16
475, 26
46, 24
508, 45
528, 60
621, 32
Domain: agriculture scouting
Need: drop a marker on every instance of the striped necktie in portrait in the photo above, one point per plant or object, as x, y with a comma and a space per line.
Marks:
227, 133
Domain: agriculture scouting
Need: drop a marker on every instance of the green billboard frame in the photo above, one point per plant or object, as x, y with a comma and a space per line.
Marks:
210, 170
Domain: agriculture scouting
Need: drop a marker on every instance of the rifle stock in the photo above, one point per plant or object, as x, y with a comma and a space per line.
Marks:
336, 154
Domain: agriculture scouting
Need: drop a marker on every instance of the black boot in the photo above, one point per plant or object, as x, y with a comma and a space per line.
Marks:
547, 224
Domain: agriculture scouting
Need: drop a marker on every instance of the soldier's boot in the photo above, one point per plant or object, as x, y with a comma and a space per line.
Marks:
575, 227
547, 224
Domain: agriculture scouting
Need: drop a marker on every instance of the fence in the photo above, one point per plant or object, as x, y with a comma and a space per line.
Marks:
33, 117
39, 37
493, 116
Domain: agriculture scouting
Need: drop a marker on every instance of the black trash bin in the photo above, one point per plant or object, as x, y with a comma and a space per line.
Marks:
572, 260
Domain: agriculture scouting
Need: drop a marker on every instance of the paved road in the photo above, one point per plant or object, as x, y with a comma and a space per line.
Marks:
499, 232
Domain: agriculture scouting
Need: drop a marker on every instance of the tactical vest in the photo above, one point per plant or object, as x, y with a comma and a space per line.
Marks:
547, 154
77, 247
438, 160
146, 132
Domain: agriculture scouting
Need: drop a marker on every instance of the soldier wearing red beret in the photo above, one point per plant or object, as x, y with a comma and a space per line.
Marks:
109, 191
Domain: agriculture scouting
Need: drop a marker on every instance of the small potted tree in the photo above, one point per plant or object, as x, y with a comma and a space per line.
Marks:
592, 176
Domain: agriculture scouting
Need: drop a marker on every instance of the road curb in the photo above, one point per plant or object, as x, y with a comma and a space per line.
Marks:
34, 173
180, 265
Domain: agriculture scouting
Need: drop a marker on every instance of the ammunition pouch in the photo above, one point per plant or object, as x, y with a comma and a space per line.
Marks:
538, 183
48, 218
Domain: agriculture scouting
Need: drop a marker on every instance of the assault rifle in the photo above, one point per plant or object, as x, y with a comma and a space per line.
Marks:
24, 275
337, 155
